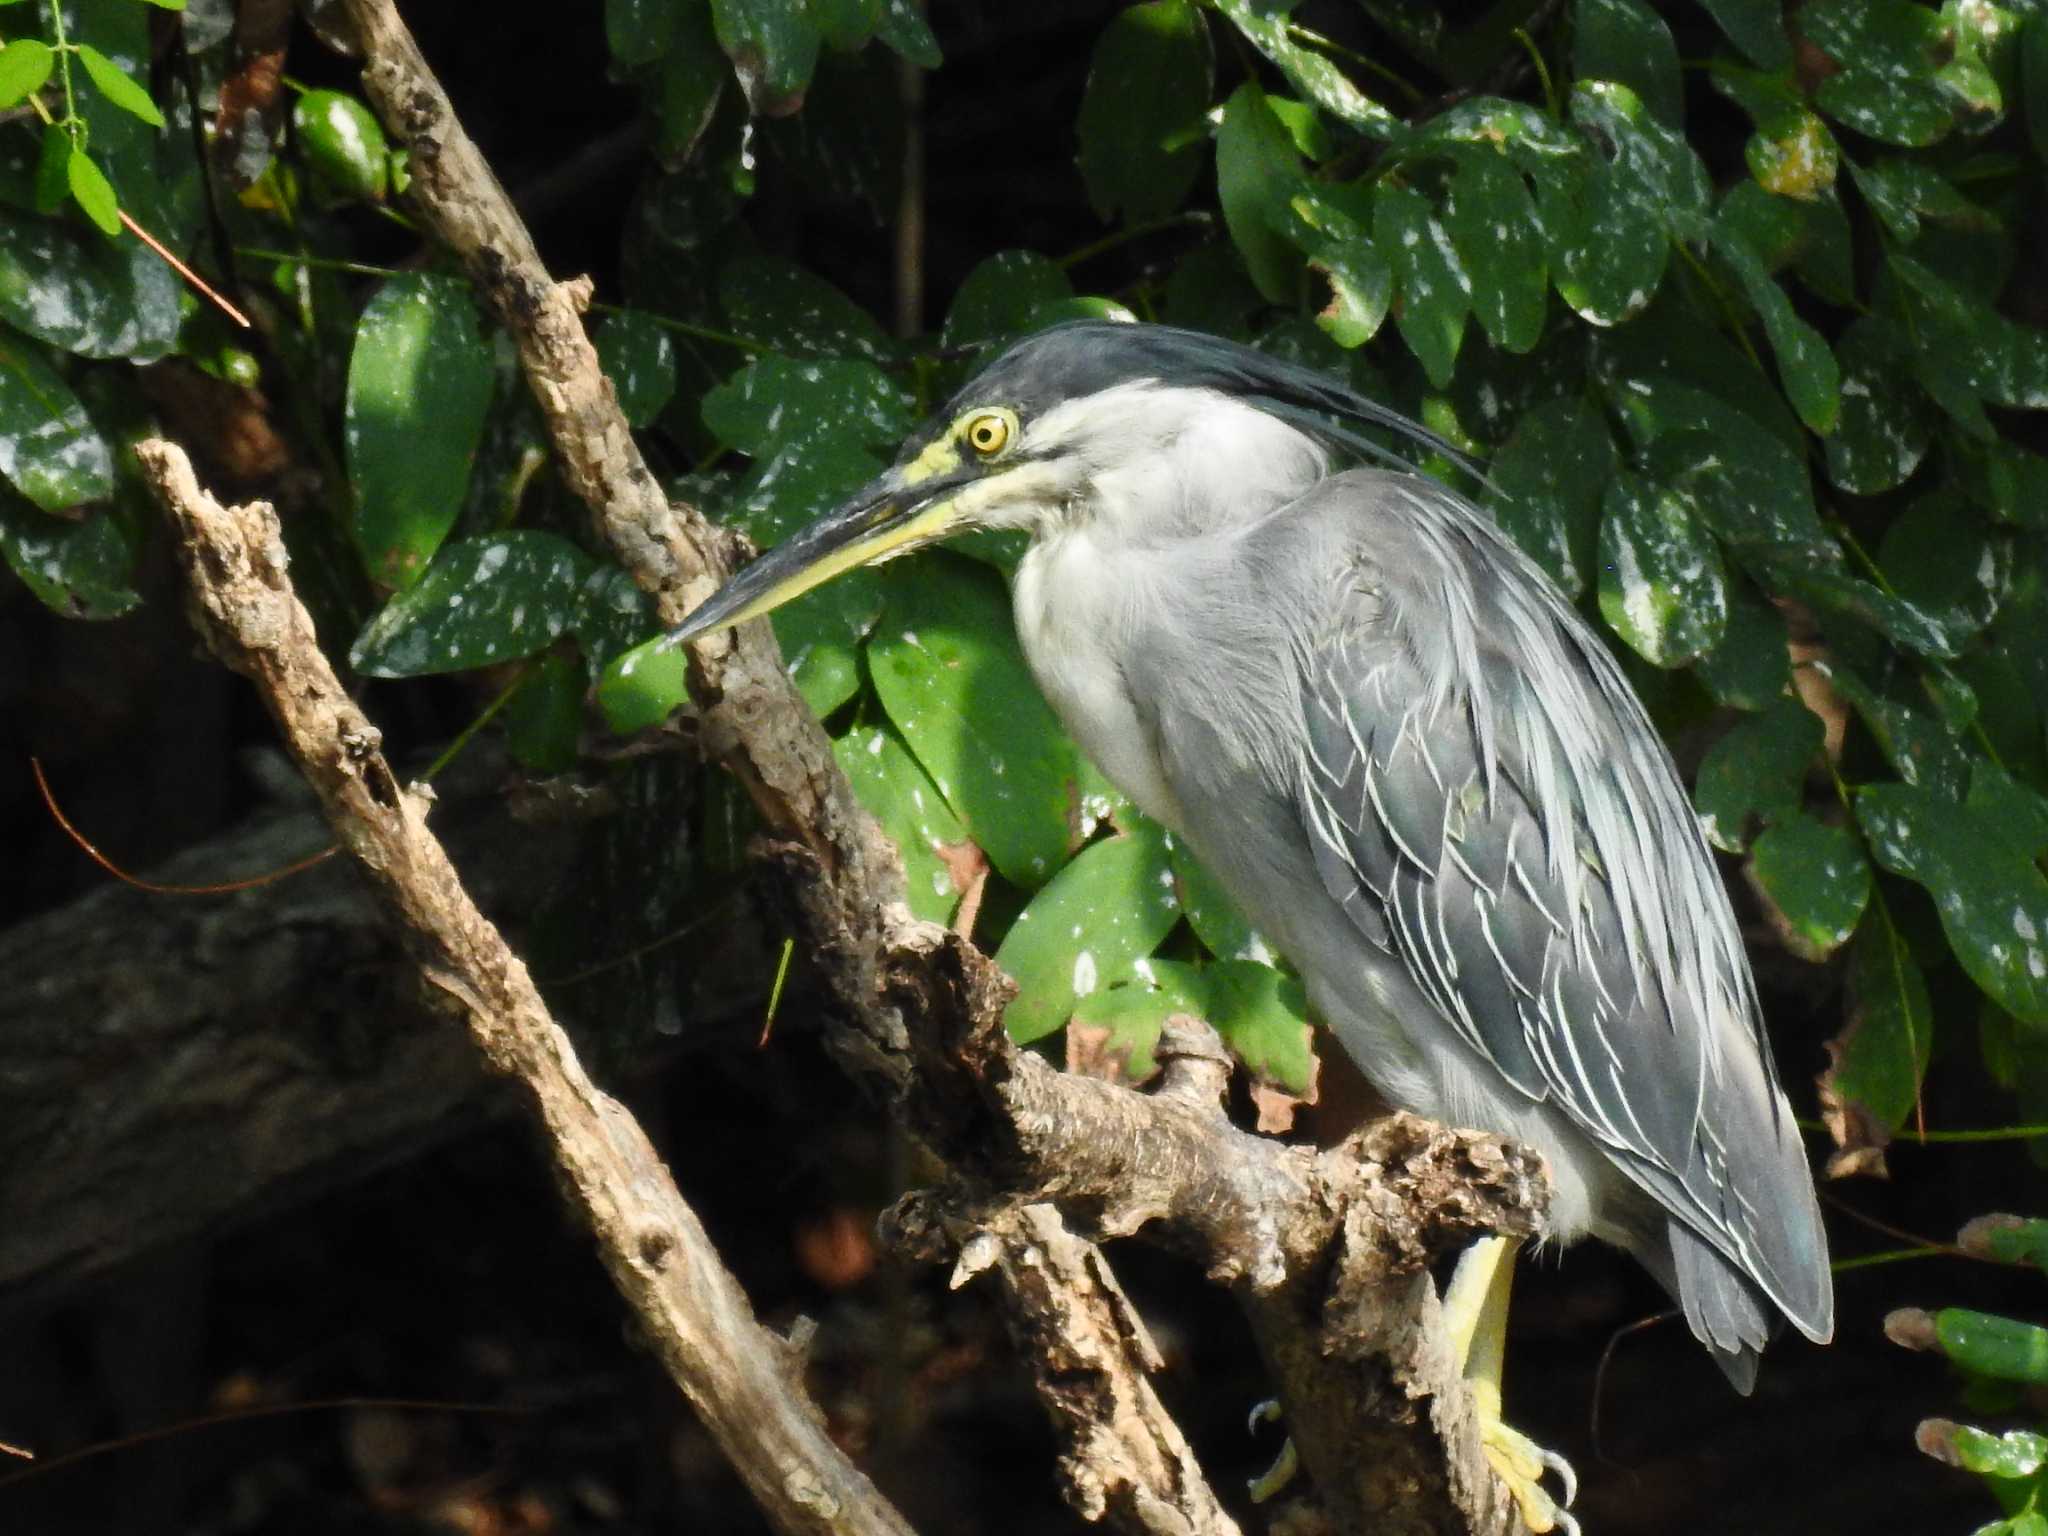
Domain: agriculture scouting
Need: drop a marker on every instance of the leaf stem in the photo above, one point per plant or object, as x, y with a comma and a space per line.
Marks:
1130, 232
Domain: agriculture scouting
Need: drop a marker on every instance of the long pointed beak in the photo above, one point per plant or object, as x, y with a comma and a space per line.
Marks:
887, 517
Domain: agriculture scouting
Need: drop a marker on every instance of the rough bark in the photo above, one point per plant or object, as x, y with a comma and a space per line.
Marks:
743, 1380
225, 1055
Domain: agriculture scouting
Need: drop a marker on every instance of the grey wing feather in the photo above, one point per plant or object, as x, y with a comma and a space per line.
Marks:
1487, 799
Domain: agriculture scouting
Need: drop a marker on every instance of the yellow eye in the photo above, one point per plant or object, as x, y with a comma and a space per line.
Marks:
987, 432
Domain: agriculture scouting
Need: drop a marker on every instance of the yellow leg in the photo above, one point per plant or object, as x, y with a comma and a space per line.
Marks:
1476, 1312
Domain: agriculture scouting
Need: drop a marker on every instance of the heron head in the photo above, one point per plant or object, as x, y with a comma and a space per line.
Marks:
1032, 437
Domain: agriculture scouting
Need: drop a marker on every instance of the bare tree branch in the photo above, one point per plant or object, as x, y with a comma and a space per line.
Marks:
743, 1380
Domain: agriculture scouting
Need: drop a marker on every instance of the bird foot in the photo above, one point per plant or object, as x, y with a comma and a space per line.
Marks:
1286, 1466
1520, 1464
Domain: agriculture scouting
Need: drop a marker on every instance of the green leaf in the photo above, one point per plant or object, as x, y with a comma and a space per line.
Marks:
1654, 168
1148, 82
544, 718
1625, 40
1493, 227
1992, 897
481, 602
1662, 585
1210, 911
91, 190
774, 401
2017, 1453
1113, 1033
419, 385
1886, 422
1257, 174
2034, 72
1812, 378
1941, 557
1828, 588
25, 65
1435, 293
1100, 915
901, 796
1605, 257
2009, 1239
81, 570
644, 686
1999, 1347
1334, 231
1881, 1056
641, 31
615, 615
1551, 475
83, 294
639, 357
114, 84
773, 45
1314, 76
1889, 51
1001, 295
904, 29
1757, 27
1262, 1015
790, 310
1752, 666
1902, 191
689, 83
1757, 770
1816, 876
1922, 750
49, 447
344, 143
950, 676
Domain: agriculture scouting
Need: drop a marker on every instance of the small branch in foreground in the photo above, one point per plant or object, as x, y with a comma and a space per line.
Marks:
743, 1380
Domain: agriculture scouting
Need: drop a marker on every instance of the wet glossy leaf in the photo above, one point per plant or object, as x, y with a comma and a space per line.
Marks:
2005, 362
901, 796
1001, 295
1756, 771
614, 615
116, 86
1256, 176
1493, 228
24, 65
49, 447
950, 676
544, 718
1334, 230
1309, 72
1148, 83
773, 45
1992, 897
80, 569
776, 400
1654, 168
2017, 1453
91, 190
1752, 666
1886, 421
1434, 293
1757, 27
343, 141
1662, 585
2000, 1347
639, 357
1210, 911
482, 601
1810, 374
1902, 191
419, 385
1626, 40
1100, 915
793, 311
1551, 475
1882, 1054
1816, 876
84, 294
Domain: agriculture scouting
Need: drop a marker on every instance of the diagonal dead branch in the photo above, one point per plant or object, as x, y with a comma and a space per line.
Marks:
922, 1009
742, 1379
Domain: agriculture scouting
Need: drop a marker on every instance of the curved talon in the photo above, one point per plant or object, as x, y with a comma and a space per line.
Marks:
1520, 1463
1286, 1466
1267, 1412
